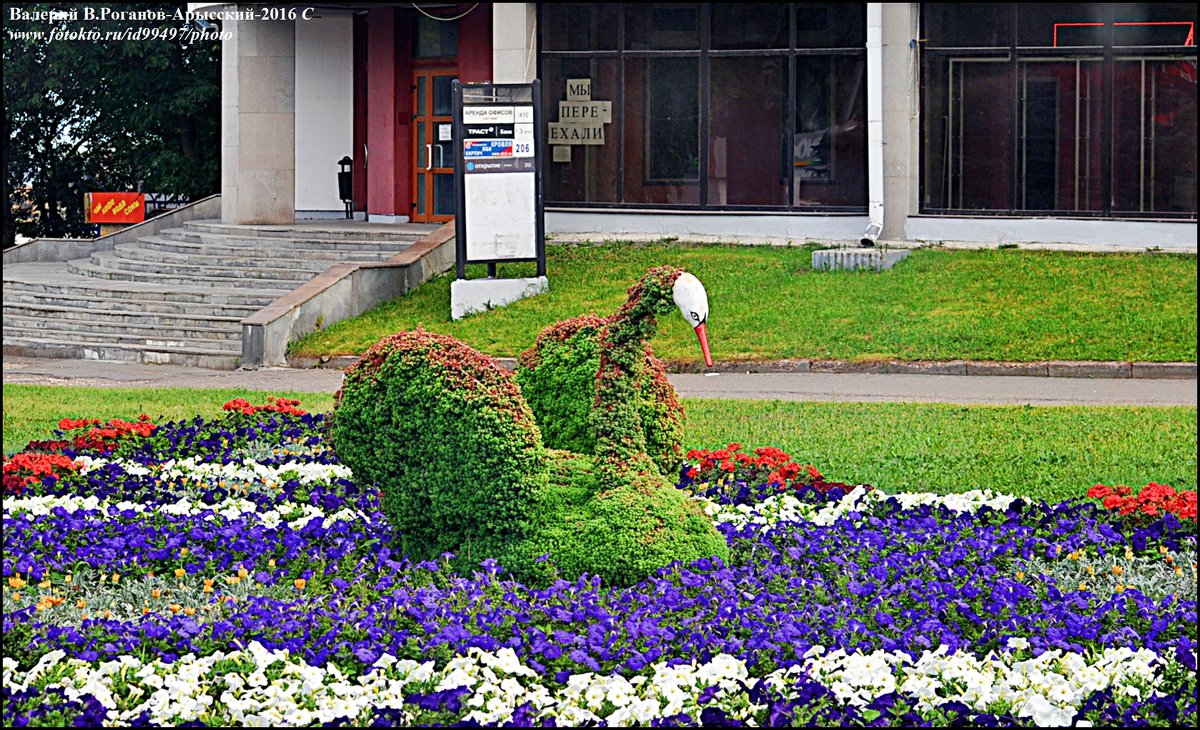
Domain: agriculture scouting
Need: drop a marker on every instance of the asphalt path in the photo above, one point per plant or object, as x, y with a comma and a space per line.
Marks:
845, 387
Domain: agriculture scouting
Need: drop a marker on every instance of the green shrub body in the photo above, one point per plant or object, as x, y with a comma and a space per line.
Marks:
558, 379
444, 433
623, 536
452, 443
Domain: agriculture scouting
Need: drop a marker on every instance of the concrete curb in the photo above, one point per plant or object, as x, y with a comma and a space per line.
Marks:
1053, 369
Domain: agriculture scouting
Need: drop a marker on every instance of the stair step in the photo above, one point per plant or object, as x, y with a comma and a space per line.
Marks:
96, 311
118, 330
150, 354
274, 287
282, 243
327, 232
116, 300
201, 270
151, 247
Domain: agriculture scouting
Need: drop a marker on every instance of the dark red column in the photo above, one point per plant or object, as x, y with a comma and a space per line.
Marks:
381, 112
475, 45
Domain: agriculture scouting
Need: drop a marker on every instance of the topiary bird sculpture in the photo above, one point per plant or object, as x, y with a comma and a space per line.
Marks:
458, 454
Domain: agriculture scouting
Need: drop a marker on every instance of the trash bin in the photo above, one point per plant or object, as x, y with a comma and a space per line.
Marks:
346, 184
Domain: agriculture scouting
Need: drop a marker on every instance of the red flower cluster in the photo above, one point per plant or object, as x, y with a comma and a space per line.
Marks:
1152, 502
104, 437
277, 405
22, 470
768, 465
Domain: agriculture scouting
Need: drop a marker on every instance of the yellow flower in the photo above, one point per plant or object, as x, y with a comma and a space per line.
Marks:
1117, 570
300, 583
1118, 588
1083, 586
81, 604
1091, 570
1169, 559
1128, 554
271, 563
1073, 556
180, 572
17, 595
189, 611
156, 593
1162, 549
1020, 575
174, 608
107, 613
242, 573
16, 582
183, 552
1178, 570
1057, 550
67, 578
145, 610
115, 577
44, 584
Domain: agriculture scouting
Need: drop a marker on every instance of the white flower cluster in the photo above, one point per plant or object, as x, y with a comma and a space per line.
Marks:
272, 688
771, 511
231, 509
1047, 689
246, 471
786, 508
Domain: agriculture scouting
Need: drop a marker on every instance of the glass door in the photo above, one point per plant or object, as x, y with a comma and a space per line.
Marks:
433, 146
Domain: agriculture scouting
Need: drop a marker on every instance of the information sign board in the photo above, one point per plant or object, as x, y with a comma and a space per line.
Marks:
498, 175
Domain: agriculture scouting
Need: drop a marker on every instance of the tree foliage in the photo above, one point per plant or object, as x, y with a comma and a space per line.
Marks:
114, 113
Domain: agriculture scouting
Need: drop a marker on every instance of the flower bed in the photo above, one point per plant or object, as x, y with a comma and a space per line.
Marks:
231, 572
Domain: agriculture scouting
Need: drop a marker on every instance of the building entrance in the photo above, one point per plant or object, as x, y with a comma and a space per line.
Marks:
433, 151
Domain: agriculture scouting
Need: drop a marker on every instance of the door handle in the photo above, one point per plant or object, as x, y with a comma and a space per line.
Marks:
364, 156
428, 157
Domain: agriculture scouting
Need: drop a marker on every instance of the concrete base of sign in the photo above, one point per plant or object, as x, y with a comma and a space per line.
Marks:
470, 296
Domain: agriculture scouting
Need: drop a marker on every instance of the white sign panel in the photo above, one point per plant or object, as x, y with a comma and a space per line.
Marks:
489, 114
502, 221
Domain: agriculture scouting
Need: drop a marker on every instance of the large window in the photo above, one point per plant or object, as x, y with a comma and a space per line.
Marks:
1057, 108
706, 105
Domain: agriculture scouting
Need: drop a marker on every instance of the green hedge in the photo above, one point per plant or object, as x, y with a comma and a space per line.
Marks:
557, 377
444, 433
624, 535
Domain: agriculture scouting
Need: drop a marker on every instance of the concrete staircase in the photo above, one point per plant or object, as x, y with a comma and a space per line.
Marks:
179, 295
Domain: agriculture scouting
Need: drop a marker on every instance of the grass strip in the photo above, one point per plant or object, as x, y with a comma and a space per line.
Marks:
768, 303
1043, 452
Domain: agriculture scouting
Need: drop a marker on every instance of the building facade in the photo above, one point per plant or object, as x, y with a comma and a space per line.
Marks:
1071, 123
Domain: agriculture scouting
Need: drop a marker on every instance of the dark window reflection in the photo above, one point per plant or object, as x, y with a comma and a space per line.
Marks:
1059, 122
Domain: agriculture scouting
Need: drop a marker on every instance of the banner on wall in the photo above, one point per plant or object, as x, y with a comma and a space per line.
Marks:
114, 207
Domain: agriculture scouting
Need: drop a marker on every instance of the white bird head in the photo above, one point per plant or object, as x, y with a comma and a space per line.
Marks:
692, 300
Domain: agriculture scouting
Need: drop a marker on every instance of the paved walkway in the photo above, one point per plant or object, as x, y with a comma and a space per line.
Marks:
967, 389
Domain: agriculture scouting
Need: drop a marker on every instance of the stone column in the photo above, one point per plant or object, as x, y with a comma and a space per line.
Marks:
514, 43
258, 121
901, 132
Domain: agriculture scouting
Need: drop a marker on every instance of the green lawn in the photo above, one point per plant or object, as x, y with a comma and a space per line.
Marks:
767, 303
1043, 452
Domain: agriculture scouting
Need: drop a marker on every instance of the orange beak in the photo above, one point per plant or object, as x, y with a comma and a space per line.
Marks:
703, 337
